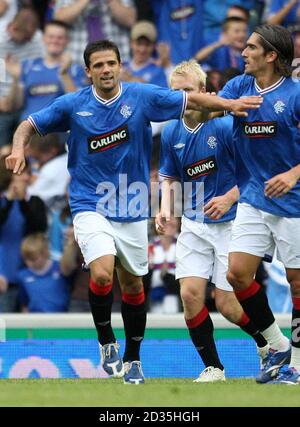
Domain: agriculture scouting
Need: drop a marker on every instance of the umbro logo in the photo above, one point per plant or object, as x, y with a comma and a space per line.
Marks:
179, 145
84, 113
137, 338
103, 323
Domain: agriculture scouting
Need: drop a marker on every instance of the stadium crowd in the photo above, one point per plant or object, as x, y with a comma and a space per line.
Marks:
41, 54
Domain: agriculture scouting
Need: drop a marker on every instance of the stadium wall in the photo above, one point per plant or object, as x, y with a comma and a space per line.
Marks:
65, 346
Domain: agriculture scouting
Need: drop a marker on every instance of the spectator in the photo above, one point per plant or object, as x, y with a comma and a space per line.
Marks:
39, 81
61, 221
297, 45
278, 288
213, 81
286, 13
93, 20
19, 216
228, 74
164, 289
8, 9
42, 8
227, 52
79, 298
44, 285
215, 12
21, 41
179, 24
142, 66
52, 177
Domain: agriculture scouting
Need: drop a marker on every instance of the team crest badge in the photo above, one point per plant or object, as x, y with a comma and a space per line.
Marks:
279, 107
212, 142
125, 111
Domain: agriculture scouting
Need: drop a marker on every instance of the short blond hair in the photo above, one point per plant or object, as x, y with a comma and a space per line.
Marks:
34, 244
187, 67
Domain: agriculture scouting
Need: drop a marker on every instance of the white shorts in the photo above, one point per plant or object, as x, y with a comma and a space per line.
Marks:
98, 236
202, 251
257, 233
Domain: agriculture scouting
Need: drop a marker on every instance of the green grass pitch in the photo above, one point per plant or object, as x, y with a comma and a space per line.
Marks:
156, 392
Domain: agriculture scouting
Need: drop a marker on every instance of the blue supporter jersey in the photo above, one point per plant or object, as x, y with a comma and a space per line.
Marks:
109, 146
291, 20
11, 235
150, 73
42, 83
44, 293
201, 155
225, 57
268, 141
180, 24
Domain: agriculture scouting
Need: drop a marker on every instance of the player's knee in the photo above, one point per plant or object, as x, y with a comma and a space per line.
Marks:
102, 277
236, 279
133, 286
188, 297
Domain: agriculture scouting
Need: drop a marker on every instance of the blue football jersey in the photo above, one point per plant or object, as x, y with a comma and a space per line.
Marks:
180, 24
268, 140
150, 73
110, 145
42, 84
204, 155
45, 293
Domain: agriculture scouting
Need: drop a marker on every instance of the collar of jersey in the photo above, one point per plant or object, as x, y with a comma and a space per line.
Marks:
270, 88
195, 130
107, 101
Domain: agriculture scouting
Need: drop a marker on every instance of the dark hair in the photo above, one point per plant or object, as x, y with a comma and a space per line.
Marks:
44, 144
226, 23
242, 9
278, 39
228, 74
58, 23
99, 46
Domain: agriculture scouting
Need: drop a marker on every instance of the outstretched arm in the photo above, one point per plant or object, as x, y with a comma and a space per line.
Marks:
16, 160
196, 101
124, 15
70, 13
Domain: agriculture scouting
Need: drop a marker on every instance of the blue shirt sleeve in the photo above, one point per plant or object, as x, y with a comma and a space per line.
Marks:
161, 104
167, 163
276, 5
55, 117
232, 88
